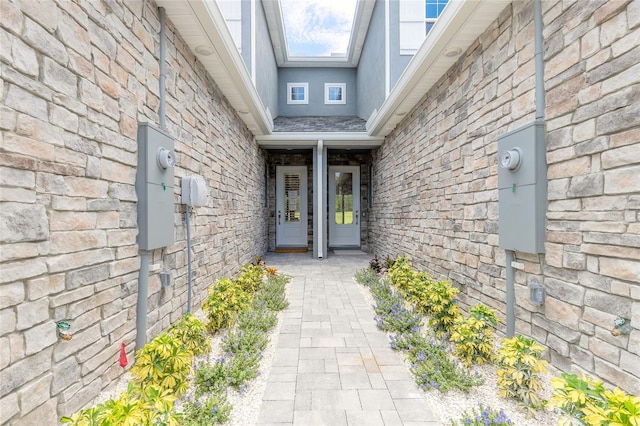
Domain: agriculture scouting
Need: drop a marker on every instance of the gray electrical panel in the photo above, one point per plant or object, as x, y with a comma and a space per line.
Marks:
154, 187
522, 189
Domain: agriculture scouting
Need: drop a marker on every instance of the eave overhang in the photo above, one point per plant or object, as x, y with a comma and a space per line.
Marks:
460, 24
203, 28
338, 140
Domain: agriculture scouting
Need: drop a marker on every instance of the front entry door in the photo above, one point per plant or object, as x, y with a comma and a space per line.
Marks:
291, 206
344, 206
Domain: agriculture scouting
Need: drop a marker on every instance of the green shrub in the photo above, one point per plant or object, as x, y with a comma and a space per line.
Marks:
518, 365
589, 403
211, 377
473, 336
251, 277
273, 293
442, 306
164, 362
245, 341
256, 318
226, 298
213, 409
191, 332
483, 416
241, 368
134, 407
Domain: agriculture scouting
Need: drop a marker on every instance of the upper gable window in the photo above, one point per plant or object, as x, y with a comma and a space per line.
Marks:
335, 93
297, 93
416, 19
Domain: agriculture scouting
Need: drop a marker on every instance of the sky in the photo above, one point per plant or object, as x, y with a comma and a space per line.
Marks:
318, 27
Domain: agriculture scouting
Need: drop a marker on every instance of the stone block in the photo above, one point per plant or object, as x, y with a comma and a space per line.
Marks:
7, 320
630, 362
562, 312
23, 222
77, 240
65, 374
634, 342
563, 290
64, 118
611, 304
40, 337
604, 350
618, 120
616, 376
80, 340
586, 185
623, 269
11, 294
48, 410
565, 169
18, 271
9, 404
623, 180
59, 78
71, 261
558, 345
83, 187
23, 101
567, 334
103, 204
35, 393
24, 370
582, 357
74, 35
91, 275
110, 324
44, 286
71, 296
17, 178
32, 313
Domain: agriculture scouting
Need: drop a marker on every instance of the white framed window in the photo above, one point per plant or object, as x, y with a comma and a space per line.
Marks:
335, 93
297, 93
433, 9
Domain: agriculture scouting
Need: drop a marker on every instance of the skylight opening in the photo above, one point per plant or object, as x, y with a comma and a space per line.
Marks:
318, 28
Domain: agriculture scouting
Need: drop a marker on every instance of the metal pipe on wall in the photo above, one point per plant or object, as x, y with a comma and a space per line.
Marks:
511, 297
163, 68
538, 60
141, 306
188, 217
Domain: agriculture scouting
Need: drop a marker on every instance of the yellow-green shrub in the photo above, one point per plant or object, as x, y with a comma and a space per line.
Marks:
164, 362
226, 298
412, 284
473, 336
442, 307
518, 365
587, 401
251, 277
191, 332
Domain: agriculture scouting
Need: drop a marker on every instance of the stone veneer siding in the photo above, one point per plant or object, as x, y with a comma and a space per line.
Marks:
435, 180
77, 77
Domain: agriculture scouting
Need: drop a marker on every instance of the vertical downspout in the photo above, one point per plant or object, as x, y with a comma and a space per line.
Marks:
321, 207
540, 105
145, 255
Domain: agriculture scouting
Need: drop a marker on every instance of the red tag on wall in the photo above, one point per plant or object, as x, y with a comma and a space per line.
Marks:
123, 356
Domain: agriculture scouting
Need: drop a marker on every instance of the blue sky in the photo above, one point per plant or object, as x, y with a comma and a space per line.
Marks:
317, 27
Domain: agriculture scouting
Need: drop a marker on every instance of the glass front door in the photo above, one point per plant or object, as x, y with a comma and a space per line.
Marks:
344, 206
291, 206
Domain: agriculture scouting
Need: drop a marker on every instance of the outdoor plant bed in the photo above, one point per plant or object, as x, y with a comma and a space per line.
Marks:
468, 377
191, 376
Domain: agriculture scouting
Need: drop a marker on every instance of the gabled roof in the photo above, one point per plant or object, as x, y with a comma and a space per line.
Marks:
204, 29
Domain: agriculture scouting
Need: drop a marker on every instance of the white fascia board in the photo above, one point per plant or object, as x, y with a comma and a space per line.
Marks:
330, 139
241, 92
459, 25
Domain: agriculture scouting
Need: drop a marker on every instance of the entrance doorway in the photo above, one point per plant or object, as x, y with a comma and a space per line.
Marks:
291, 206
344, 206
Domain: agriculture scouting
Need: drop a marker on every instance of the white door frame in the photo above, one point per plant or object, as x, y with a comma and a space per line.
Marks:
291, 233
348, 234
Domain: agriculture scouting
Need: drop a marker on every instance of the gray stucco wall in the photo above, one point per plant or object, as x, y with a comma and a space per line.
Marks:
266, 66
398, 62
246, 33
370, 73
317, 77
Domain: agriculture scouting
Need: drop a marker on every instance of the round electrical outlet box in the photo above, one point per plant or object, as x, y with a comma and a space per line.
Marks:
511, 159
165, 158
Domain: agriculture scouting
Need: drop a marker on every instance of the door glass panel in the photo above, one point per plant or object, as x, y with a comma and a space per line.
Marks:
292, 197
344, 198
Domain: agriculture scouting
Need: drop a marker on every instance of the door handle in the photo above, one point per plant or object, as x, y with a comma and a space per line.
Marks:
357, 216
279, 216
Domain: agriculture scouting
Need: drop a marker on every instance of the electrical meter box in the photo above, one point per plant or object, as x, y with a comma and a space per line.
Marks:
155, 188
522, 189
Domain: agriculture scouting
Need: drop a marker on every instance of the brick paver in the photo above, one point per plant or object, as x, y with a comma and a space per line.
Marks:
332, 366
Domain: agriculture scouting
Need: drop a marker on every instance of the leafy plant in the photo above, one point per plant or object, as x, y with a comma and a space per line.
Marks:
256, 318
375, 265
518, 365
393, 315
442, 306
245, 341
164, 362
215, 408
273, 293
133, 407
211, 377
588, 402
251, 277
241, 368
191, 332
483, 416
473, 336
226, 298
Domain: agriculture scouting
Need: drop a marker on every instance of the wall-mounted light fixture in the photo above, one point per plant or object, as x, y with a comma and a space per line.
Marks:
537, 293
204, 50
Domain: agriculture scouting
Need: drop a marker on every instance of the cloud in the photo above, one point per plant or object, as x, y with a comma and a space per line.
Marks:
317, 27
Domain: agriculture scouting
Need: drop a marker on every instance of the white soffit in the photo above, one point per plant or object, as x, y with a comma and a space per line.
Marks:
459, 25
292, 140
201, 24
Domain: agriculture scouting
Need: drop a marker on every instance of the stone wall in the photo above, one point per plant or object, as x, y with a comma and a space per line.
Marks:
435, 180
77, 77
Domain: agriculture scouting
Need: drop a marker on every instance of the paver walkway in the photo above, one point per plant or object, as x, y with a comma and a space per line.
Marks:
332, 365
